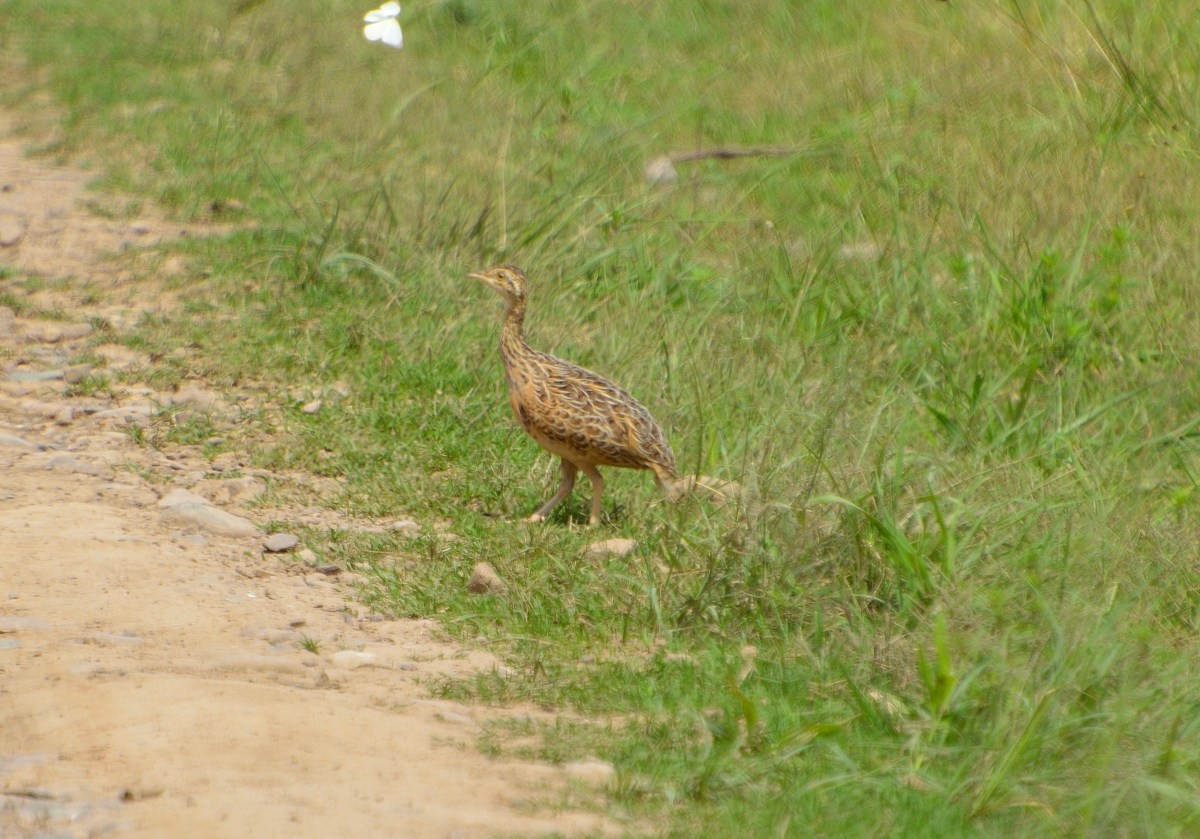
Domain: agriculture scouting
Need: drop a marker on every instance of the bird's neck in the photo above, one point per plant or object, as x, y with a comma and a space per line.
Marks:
512, 335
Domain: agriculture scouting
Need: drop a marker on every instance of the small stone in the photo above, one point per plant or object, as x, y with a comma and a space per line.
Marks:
75, 466
307, 556
404, 526
613, 547
311, 407
661, 170
485, 580
181, 496
194, 397
280, 542
12, 229
351, 659
35, 375
209, 519
74, 331
65, 416
18, 442
590, 771
718, 490
230, 491
129, 413
76, 373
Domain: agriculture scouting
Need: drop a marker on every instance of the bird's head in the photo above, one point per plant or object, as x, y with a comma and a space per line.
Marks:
507, 280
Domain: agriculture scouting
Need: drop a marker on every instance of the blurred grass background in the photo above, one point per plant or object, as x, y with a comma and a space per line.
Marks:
948, 342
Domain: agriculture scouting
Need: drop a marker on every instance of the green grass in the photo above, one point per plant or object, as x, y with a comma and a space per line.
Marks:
949, 343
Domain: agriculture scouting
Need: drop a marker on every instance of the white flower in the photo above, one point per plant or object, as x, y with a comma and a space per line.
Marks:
383, 26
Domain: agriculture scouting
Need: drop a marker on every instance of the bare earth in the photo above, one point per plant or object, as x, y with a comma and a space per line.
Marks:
158, 678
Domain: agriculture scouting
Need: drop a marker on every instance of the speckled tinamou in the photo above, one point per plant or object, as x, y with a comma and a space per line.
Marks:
583, 418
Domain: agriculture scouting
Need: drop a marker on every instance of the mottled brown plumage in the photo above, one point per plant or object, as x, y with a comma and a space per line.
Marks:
583, 418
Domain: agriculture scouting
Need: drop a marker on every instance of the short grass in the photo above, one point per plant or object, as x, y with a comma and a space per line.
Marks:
950, 343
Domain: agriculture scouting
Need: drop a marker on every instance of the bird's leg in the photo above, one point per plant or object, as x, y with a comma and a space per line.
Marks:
569, 470
597, 489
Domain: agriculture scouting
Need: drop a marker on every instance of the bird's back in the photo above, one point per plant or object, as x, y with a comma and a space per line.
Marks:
583, 416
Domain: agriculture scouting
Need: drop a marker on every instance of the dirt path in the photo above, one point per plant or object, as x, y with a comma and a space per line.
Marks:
154, 675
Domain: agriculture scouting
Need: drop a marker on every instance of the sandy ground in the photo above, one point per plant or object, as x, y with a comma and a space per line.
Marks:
161, 677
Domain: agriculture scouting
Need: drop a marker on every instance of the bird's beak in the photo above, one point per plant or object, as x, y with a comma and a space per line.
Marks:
477, 276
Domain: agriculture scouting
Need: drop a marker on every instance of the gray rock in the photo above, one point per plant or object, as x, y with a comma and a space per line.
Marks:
65, 416
230, 490
485, 580
35, 375
18, 442
404, 526
12, 229
181, 496
126, 412
195, 397
209, 519
280, 542
351, 659
614, 547
661, 170
75, 466
77, 373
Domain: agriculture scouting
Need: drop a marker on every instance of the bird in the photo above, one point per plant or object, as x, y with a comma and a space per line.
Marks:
580, 416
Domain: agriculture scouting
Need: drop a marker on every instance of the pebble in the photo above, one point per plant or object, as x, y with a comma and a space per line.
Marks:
404, 526
351, 659
718, 490
18, 442
312, 407
195, 397
77, 373
126, 412
613, 547
181, 496
208, 518
12, 229
12, 623
307, 556
280, 542
35, 375
660, 170
65, 416
230, 490
54, 333
75, 466
485, 580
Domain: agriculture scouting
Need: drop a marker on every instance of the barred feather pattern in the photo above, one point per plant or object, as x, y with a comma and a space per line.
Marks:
574, 413
596, 420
